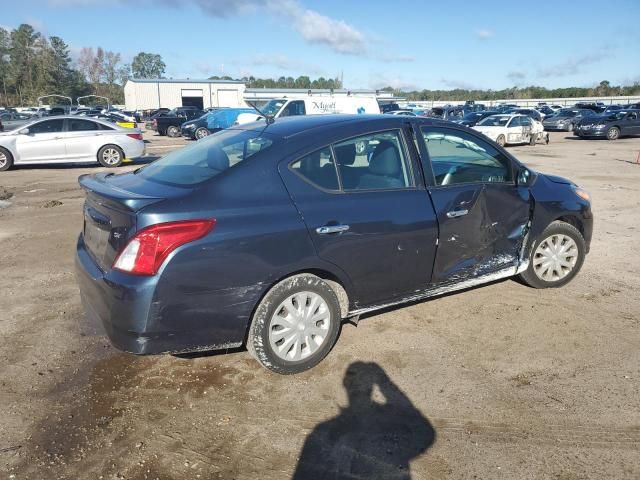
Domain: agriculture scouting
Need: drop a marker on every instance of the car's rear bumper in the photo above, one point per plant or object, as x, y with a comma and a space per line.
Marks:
138, 320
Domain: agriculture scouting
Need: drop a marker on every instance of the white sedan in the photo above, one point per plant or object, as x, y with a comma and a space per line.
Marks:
66, 139
507, 129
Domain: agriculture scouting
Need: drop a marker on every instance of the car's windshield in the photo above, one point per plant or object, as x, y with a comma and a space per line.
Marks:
566, 113
206, 158
619, 115
494, 121
472, 116
272, 107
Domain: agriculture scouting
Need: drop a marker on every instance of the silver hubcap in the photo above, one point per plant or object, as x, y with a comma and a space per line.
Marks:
555, 258
299, 326
3, 159
201, 133
111, 156
613, 133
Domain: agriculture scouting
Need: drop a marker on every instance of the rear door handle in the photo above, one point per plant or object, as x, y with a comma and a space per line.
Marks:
457, 213
332, 229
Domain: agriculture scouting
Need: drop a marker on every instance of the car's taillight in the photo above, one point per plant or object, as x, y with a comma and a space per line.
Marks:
137, 136
146, 251
155, 122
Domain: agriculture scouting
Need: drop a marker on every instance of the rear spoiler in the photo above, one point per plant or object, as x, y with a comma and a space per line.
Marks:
109, 193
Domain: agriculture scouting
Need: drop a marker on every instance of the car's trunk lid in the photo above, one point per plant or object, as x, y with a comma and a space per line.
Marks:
110, 211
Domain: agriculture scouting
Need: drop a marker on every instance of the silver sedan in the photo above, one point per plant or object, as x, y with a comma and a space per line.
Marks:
66, 139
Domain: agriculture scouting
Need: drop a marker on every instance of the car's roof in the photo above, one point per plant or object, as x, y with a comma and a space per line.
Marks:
76, 117
290, 126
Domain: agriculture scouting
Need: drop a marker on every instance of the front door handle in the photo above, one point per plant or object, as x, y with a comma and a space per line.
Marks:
332, 229
457, 213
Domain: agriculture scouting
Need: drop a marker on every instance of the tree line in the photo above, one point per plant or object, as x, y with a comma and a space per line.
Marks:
34, 65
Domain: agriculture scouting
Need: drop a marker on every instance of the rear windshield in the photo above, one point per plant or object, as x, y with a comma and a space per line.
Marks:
206, 158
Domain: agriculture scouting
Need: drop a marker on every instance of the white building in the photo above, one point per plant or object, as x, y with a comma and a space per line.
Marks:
147, 94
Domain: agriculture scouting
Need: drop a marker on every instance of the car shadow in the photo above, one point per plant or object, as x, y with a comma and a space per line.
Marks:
369, 438
48, 166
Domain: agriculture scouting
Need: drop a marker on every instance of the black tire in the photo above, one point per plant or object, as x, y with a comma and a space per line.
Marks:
258, 342
532, 139
613, 133
173, 131
6, 159
530, 277
162, 133
200, 133
110, 156
501, 141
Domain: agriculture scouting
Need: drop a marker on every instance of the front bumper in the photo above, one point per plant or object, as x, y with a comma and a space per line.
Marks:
142, 316
188, 132
590, 132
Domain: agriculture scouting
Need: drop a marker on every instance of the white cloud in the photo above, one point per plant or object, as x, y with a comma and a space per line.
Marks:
484, 34
573, 66
382, 80
314, 27
457, 84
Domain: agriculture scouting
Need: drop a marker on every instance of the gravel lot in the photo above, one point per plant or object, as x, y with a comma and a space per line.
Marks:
501, 381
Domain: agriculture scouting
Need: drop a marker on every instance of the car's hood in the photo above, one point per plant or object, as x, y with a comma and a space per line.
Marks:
556, 179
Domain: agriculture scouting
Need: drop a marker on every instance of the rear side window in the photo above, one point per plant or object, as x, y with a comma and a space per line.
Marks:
375, 161
78, 125
318, 168
206, 158
457, 157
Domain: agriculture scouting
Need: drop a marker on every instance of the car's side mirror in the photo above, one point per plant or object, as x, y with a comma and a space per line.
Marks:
23, 131
524, 177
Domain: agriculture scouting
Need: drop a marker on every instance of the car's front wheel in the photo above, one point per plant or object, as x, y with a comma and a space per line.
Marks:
201, 133
613, 133
295, 325
556, 257
173, 131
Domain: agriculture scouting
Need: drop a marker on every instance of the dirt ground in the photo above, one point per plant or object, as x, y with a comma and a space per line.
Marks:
501, 381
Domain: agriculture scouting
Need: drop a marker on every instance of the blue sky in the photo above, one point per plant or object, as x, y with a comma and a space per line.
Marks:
405, 44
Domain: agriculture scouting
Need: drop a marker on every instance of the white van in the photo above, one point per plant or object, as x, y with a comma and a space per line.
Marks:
313, 105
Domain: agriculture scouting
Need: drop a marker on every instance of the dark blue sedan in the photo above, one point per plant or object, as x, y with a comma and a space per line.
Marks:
270, 235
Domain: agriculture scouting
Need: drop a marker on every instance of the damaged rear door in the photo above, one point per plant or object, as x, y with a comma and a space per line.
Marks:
482, 213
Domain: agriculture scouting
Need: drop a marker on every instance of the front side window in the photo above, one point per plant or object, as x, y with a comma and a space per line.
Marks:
458, 157
48, 126
515, 122
207, 158
375, 161
318, 168
294, 108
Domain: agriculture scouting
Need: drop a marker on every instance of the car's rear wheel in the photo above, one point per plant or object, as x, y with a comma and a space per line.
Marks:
6, 159
570, 127
556, 257
501, 141
201, 133
110, 156
173, 131
613, 133
295, 325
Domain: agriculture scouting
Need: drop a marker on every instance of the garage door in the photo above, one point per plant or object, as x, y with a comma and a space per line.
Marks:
192, 98
227, 98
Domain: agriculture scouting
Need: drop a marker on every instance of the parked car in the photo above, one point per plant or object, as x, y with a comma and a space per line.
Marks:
546, 111
406, 113
596, 107
450, 113
472, 118
191, 252
507, 129
11, 120
212, 122
611, 126
69, 139
529, 112
170, 123
566, 119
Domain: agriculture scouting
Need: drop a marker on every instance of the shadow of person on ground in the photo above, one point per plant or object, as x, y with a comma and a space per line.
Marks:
368, 440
